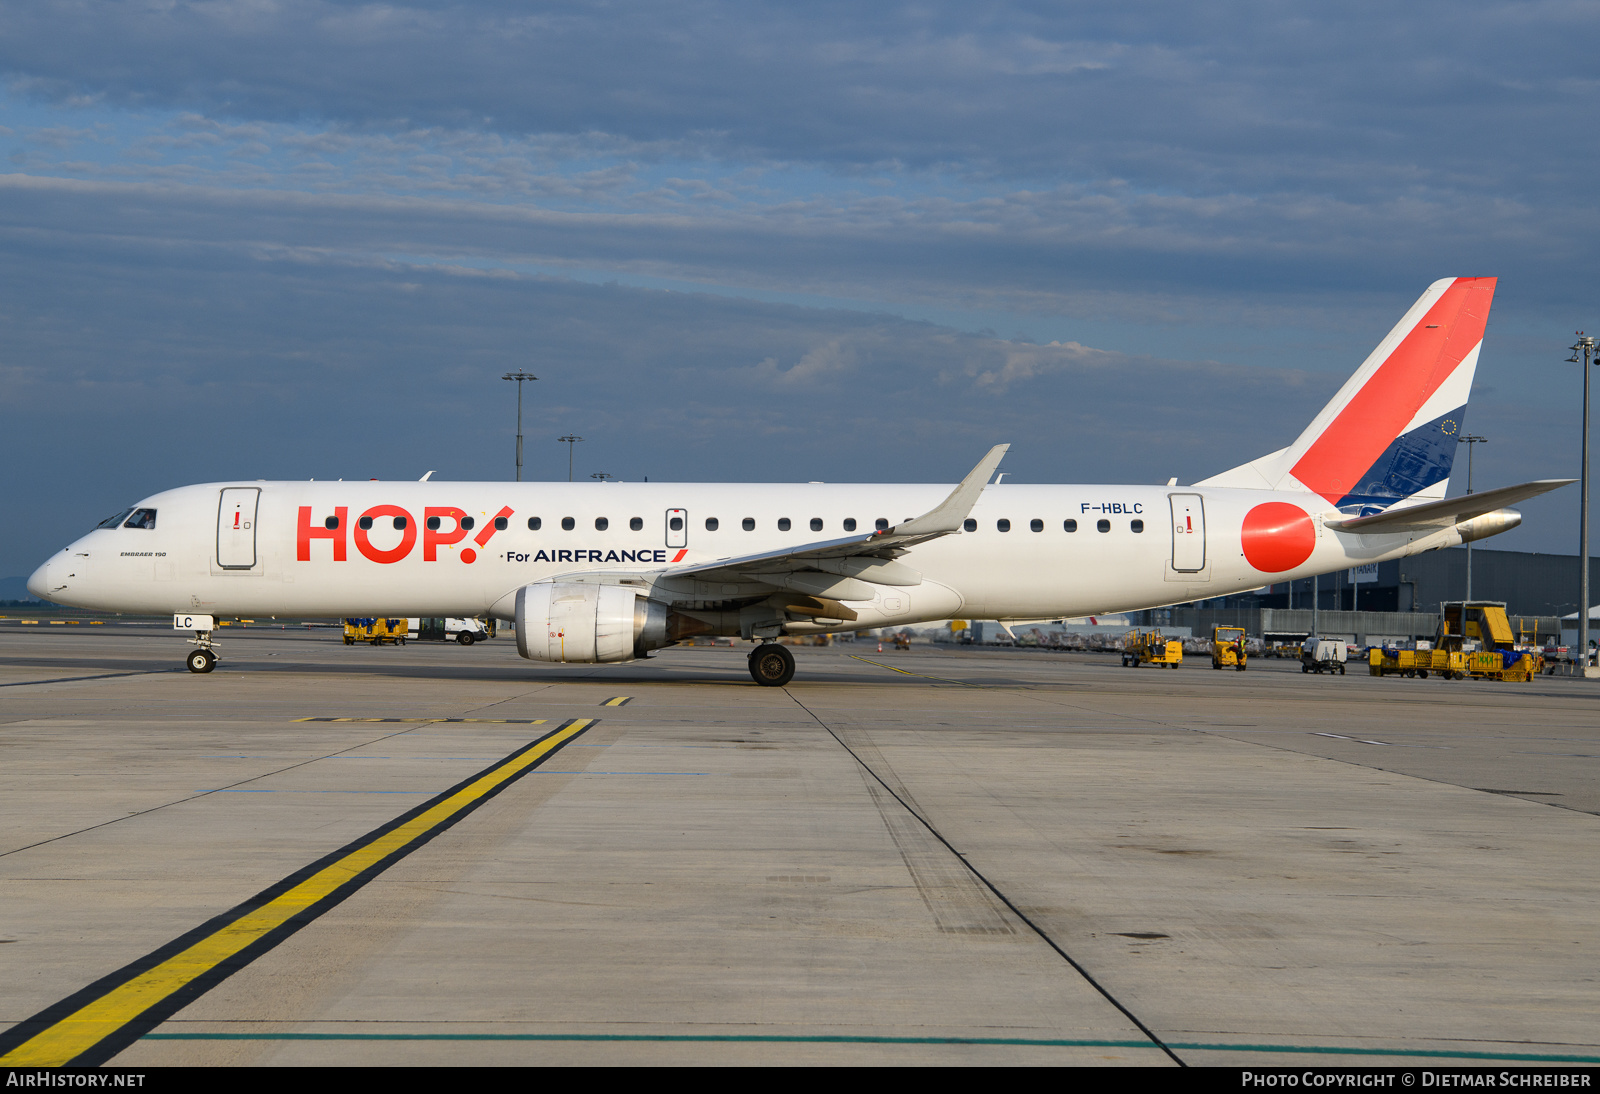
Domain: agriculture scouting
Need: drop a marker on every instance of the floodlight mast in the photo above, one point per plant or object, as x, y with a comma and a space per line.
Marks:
519, 376
1583, 354
571, 441
1469, 440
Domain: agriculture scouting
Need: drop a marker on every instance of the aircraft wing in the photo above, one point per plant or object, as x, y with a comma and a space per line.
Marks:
824, 572
1434, 515
876, 550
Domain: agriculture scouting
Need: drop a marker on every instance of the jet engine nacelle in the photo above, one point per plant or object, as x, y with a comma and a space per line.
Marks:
574, 621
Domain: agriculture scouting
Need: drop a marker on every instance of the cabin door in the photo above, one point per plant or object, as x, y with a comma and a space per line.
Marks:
1188, 533
236, 528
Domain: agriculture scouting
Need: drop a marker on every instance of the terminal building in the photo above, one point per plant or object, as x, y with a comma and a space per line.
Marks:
1399, 600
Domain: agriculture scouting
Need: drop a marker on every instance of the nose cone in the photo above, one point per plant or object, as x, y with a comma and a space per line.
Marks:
39, 583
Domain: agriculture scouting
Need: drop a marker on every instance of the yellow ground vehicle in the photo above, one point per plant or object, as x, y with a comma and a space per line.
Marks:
376, 631
1498, 657
1227, 648
1482, 622
1150, 648
1451, 664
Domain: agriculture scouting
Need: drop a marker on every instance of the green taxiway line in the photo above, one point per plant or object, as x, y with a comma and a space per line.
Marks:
755, 1038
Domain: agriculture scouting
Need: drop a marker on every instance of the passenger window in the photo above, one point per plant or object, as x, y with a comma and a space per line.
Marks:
116, 521
433, 524
365, 523
535, 523
1137, 526
816, 524
849, 524
636, 523
331, 524
969, 525
1069, 526
783, 524
676, 524
399, 524
1103, 525
142, 518
500, 524
711, 524
748, 524
1003, 525
881, 524
601, 524
1036, 525
567, 524
467, 523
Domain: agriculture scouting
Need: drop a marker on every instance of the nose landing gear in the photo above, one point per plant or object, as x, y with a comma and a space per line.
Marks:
771, 665
203, 659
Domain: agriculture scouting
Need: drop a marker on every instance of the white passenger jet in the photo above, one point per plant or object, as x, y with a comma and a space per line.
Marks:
602, 572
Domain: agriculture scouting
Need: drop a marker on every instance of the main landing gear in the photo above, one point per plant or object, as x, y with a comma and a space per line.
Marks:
771, 665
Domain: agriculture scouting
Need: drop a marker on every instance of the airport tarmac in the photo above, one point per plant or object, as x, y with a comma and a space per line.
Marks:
323, 854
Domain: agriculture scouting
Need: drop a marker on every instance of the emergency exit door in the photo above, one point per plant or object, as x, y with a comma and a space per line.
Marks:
677, 527
1188, 533
236, 528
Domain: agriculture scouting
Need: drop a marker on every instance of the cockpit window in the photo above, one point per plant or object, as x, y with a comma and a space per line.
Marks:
116, 521
142, 518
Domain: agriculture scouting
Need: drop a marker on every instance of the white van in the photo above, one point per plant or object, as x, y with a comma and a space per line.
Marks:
439, 629
1323, 655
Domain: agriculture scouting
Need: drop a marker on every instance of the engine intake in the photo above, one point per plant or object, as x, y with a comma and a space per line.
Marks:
578, 622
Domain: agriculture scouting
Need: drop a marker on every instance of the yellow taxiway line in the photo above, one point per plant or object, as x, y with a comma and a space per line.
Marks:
91, 1026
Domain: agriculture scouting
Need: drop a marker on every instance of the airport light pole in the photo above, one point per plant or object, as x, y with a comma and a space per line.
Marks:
519, 376
571, 441
1583, 353
1469, 440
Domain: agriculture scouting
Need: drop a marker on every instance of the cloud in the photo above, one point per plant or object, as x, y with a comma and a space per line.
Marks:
172, 364
1022, 362
1133, 163
829, 361
1344, 96
1142, 258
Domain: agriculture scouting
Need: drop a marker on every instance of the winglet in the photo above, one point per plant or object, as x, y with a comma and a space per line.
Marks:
949, 514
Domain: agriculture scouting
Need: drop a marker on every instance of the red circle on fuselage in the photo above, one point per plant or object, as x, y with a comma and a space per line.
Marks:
468, 555
1277, 536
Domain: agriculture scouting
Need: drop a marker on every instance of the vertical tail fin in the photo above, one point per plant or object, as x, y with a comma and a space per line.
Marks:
1391, 431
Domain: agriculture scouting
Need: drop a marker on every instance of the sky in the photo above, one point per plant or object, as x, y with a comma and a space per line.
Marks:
768, 242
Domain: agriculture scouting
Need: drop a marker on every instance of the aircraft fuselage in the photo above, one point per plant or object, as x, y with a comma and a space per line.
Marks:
464, 548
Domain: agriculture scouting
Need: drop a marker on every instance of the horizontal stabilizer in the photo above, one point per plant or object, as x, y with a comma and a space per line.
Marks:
1434, 515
